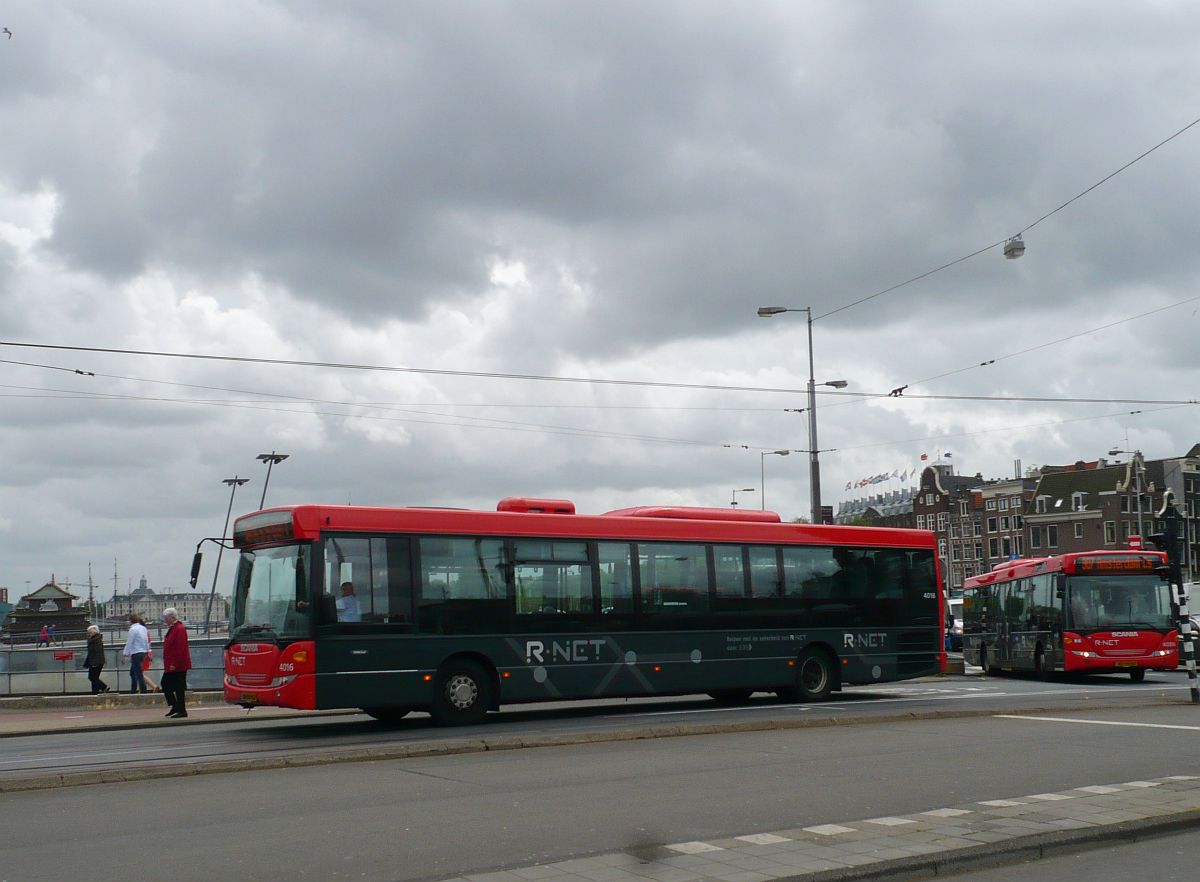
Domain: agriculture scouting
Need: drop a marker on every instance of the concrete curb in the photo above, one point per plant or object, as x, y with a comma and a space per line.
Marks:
104, 701
1013, 851
475, 744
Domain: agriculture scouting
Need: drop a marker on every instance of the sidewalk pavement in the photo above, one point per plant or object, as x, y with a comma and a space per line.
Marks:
937, 842
55, 714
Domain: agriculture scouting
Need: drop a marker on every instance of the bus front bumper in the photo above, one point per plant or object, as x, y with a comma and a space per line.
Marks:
298, 692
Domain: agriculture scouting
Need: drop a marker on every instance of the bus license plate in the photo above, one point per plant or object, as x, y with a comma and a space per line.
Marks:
248, 698
1127, 664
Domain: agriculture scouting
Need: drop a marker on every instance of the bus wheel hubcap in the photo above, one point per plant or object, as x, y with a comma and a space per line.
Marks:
813, 676
461, 691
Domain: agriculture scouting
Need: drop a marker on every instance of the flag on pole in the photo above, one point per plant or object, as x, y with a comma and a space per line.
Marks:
924, 456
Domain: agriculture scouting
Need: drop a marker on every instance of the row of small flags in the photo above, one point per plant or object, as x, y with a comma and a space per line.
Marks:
895, 474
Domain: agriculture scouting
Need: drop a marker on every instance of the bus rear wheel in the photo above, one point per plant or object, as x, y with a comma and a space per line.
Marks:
1138, 675
462, 695
814, 676
387, 714
1039, 665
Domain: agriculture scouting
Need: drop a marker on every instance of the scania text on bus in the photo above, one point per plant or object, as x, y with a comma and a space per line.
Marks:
455, 612
1089, 612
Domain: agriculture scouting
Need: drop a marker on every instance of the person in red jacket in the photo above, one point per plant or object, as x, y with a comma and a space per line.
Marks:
177, 661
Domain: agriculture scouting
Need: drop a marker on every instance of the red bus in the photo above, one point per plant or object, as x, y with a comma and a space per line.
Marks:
1090, 612
454, 612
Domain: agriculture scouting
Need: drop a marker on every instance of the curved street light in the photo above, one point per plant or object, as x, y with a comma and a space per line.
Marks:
762, 474
271, 459
736, 492
233, 483
814, 462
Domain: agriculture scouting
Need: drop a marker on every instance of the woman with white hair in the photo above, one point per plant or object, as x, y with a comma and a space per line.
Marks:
94, 662
177, 661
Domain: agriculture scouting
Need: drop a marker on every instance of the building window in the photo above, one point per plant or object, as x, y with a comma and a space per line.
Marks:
941, 522
1006, 547
1040, 504
990, 505
1052, 536
1110, 532
1035, 537
954, 531
1078, 529
1124, 505
978, 528
920, 522
991, 525
1019, 545
941, 548
1004, 523
955, 553
1003, 504
979, 551
993, 549
1018, 522
962, 508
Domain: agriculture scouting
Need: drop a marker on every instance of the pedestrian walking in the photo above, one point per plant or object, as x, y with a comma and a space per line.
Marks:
137, 647
43, 638
94, 662
177, 661
49, 635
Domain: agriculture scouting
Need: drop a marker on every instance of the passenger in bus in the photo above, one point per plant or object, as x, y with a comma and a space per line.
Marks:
1080, 613
347, 605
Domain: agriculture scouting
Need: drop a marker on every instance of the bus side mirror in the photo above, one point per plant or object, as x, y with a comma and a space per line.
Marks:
196, 568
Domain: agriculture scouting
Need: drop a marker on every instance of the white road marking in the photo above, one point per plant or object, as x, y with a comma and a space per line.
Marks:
694, 847
763, 839
829, 829
948, 813
1098, 722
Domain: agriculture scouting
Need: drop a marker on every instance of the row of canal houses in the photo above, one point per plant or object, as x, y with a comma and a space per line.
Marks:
1047, 510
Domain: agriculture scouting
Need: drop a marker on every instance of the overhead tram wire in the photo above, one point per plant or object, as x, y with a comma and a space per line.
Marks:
1020, 232
991, 361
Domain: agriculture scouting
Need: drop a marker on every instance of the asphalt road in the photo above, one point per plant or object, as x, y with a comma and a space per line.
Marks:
450, 816
248, 738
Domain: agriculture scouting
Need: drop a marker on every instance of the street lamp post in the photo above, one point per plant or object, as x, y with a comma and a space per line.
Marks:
814, 461
736, 492
1138, 466
271, 459
762, 474
233, 483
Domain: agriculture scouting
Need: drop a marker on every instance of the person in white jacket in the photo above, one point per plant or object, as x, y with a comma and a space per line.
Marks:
137, 647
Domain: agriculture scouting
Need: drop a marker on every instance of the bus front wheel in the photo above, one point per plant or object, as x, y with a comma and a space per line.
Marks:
463, 694
1137, 675
814, 676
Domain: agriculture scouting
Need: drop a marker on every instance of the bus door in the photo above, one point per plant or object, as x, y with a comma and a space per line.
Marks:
1025, 634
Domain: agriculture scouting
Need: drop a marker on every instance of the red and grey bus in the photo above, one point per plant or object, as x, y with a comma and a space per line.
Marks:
454, 612
1091, 612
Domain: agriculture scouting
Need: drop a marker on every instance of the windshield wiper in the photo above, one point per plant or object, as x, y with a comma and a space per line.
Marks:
245, 630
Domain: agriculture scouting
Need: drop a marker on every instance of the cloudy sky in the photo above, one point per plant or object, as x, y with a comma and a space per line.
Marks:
486, 192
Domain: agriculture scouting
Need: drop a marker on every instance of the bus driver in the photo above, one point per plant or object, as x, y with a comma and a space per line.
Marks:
347, 605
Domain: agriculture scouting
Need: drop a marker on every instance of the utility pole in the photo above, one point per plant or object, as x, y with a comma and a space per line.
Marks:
1168, 541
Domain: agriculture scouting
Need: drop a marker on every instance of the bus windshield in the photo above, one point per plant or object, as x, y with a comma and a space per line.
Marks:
1129, 602
270, 596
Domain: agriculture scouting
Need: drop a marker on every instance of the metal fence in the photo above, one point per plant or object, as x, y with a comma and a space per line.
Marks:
58, 669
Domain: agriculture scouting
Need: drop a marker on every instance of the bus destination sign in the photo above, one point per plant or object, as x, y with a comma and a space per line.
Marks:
1122, 563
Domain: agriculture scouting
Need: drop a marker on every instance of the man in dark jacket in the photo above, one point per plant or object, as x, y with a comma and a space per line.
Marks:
94, 661
177, 661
